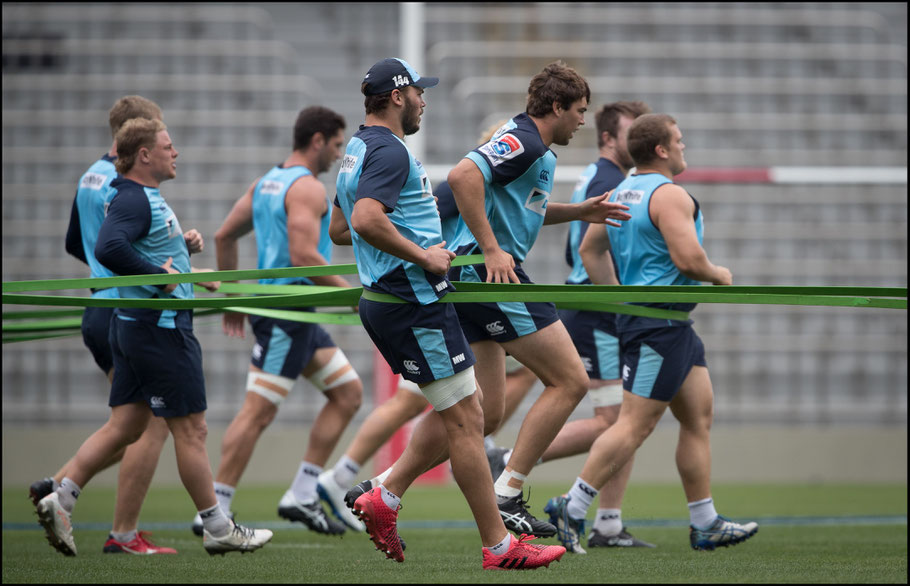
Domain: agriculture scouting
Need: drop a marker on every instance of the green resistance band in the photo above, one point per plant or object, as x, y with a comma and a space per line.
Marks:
271, 300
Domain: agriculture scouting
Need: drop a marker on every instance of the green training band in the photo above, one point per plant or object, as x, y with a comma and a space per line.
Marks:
235, 275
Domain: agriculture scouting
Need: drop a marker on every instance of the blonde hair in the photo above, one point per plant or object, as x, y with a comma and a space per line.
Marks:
487, 134
135, 134
129, 107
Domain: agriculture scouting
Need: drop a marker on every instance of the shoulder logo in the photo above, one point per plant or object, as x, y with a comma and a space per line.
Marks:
92, 181
270, 187
348, 163
502, 149
629, 196
544, 175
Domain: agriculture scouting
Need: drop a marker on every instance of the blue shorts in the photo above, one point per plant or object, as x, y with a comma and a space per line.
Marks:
595, 338
96, 326
656, 361
159, 366
285, 347
500, 322
423, 343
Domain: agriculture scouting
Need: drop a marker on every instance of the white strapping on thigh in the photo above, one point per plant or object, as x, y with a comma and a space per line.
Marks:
445, 392
271, 386
607, 395
335, 373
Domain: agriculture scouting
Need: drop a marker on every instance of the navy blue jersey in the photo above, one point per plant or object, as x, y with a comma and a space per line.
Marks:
378, 165
518, 173
597, 179
138, 235
448, 211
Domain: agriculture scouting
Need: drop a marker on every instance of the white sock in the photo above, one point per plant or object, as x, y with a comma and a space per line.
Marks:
608, 521
381, 478
125, 537
215, 521
304, 485
503, 490
68, 492
225, 495
581, 495
345, 472
390, 499
702, 513
501, 547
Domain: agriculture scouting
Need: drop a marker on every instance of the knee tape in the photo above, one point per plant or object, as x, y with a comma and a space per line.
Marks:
607, 395
271, 386
335, 373
444, 393
407, 385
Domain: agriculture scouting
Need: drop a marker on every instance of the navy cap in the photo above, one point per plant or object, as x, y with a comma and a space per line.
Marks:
390, 74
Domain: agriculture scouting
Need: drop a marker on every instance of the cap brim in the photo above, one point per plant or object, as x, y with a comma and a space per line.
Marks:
426, 82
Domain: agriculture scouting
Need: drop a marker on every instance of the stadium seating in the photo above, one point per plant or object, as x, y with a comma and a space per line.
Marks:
798, 84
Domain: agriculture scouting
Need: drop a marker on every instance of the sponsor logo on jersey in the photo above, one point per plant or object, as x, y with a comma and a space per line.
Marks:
270, 187
537, 201
411, 366
173, 226
92, 181
544, 175
629, 196
348, 163
503, 148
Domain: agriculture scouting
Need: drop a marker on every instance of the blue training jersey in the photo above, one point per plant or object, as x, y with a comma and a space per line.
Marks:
138, 235
640, 252
597, 179
90, 204
518, 178
270, 221
378, 165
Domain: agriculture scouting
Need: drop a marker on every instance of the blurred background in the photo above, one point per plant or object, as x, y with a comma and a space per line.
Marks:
794, 117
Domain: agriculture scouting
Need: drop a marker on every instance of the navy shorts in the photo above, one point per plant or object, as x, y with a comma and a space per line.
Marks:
96, 326
423, 343
500, 322
159, 366
285, 347
595, 338
656, 361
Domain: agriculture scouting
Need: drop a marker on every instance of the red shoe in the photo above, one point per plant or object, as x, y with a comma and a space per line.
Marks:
523, 556
138, 546
381, 522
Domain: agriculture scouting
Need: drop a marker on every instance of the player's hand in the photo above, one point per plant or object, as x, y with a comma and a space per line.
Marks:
193, 241
597, 210
169, 288
210, 286
500, 265
232, 324
437, 259
723, 276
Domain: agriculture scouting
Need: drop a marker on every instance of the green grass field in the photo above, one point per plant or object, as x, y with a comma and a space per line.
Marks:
822, 533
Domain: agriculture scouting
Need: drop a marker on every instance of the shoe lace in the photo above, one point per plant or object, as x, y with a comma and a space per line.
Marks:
244, 532
525, 538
